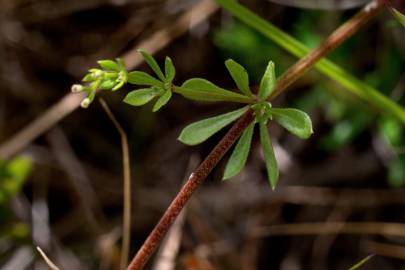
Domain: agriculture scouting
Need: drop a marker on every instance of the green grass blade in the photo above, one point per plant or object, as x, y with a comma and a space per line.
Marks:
325, 66
361, 263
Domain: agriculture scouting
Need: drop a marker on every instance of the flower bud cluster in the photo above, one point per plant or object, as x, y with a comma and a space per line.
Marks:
111, 76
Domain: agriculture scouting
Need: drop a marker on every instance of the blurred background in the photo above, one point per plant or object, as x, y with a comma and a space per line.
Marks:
63, 192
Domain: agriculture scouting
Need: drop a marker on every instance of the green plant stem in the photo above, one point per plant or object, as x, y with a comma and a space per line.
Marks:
325, 66
200, 174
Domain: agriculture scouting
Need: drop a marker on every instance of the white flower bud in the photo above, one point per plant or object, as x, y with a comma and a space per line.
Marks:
77, 88
85, 103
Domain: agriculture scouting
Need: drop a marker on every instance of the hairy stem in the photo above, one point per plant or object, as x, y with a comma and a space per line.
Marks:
193, 182
332, 42
200, 174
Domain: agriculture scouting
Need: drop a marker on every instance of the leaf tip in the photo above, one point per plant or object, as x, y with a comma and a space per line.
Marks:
183, 140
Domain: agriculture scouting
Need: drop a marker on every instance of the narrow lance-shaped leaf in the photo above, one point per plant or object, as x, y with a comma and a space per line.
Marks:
295, 121
89, 77
143, 78
170, 70
200, 131
109, 65
118, 85
203, 90
268, 82
162, 100
239, 75
153, 64
269, 157
141, 96
240, 154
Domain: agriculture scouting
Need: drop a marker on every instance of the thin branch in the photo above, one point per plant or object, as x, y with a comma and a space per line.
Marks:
126, 230
50, 264
199, 175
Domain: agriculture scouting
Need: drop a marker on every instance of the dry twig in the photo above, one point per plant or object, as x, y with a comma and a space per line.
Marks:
126, 230
50, 264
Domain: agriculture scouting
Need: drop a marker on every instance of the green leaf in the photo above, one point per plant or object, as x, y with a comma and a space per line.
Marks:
109, 65
200, 131
239, 75
203, 90
143, 78
399, 16
107, 84
268, 82
141, 96
162, 100
88, 78
118, 85
170, 70
270, 159
240, 154
153, 64
295, 121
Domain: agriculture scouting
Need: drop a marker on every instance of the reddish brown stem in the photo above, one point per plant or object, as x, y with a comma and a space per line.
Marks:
345, 31
194, 181
199, 175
